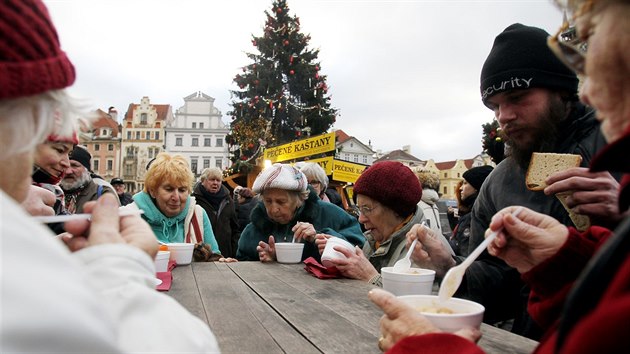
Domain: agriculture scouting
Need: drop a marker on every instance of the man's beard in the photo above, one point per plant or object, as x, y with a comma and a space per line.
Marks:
81, 181
545, 134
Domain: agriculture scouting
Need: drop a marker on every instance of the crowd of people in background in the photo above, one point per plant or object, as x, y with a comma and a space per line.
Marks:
564, 288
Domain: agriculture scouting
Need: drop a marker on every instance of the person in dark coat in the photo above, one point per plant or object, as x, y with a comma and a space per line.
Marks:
246, 202
119, 186
215, 199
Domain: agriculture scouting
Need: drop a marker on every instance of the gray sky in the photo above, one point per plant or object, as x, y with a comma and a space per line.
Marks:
400, 72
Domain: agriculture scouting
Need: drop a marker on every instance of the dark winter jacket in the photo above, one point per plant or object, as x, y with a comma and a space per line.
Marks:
327, 218
223, 220
489, 280
244, 210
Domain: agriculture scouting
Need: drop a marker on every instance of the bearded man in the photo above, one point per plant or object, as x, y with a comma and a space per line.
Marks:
78, 184
534, 99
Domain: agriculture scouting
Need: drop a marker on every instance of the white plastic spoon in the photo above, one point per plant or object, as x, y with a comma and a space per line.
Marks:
453, 277
70, 217
403, 264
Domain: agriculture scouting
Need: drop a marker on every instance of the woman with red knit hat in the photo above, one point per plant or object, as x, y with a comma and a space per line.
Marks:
387, 195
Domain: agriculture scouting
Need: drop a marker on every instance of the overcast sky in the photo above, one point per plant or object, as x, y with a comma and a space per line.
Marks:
400, 72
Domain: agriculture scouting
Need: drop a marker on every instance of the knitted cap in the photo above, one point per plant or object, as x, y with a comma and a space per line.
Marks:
31, 59
521, 59
280, 176
82, 156
392, 184
477, 175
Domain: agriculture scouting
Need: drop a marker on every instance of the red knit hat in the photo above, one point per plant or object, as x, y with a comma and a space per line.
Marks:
31, 59
392, 184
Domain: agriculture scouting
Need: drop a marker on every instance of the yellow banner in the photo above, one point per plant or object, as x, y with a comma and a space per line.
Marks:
301, 148
325, 162
345, 171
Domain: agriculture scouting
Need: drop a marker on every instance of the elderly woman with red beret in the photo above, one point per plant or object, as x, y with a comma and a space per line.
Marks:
290, 209
387, 195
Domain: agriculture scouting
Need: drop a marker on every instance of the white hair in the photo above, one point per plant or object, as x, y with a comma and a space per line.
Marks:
27, 121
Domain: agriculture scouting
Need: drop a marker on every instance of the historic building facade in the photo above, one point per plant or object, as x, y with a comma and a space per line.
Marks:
198, 133
103, 140
142, 140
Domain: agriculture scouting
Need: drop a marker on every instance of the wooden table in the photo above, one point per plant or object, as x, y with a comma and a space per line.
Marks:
255, 307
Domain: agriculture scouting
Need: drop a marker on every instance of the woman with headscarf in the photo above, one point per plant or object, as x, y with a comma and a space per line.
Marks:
171, 211
290, 209
387, 195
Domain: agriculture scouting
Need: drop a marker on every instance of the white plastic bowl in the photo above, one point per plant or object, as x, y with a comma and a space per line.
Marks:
466, 313
161, 261
181, 252
289, 252
417, 281
329, 252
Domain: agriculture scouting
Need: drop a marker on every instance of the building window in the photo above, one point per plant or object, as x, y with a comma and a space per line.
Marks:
97, 147
365, 159
110, 165
195, 142
148, 137
218, 163
458, 175
128, 135
194, 125
445, 174
103, 132
95, 165
193, 166
137, 135
206, 163
110, 147
219, 142
445, 190
346, 157
356, 158
128, 170
157, 135
150, 153
178, 141
200, 125
206, 141
143, 118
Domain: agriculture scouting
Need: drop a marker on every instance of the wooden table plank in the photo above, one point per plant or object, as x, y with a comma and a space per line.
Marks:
184, 289
286, 289
242, 321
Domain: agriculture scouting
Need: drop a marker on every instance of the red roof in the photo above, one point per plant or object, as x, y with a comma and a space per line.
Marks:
104, 120
341, 136
160, 109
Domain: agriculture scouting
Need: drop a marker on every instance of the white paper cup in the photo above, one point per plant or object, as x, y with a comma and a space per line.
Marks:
416, 281
181, 252
289, 252
161, 261
329, 252
465, 313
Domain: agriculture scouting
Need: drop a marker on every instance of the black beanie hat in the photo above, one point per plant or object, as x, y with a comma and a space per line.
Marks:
476, 175
82, 156
392, 184
521, 59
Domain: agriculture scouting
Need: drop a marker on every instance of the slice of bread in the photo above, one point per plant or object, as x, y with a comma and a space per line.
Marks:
581, 222
543, 165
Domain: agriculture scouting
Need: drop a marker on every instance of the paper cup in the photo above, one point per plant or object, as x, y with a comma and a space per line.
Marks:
330, 253
416, 281
456, 313
289, 252
161, 261
181, 252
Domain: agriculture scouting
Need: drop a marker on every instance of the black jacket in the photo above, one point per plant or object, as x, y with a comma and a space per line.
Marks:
244, 211
224, 221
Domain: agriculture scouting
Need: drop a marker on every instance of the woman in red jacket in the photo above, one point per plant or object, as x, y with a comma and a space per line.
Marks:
580, 283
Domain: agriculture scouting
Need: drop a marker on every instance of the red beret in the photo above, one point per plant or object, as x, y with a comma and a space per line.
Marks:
392, 184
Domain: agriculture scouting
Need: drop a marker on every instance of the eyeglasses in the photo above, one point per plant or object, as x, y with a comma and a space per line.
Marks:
569, 48
365, 210
314, 183
567, 45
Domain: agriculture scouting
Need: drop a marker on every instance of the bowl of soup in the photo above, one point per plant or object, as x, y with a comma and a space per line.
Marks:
450, 315
289, 252
414, 281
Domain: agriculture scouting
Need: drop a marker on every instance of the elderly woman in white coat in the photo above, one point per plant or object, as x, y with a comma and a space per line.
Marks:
101, 297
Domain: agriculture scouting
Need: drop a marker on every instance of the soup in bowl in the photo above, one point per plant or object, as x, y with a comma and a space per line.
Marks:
449, 316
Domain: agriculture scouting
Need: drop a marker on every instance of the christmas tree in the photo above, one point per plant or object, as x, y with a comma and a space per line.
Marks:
492, 142
282, 96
